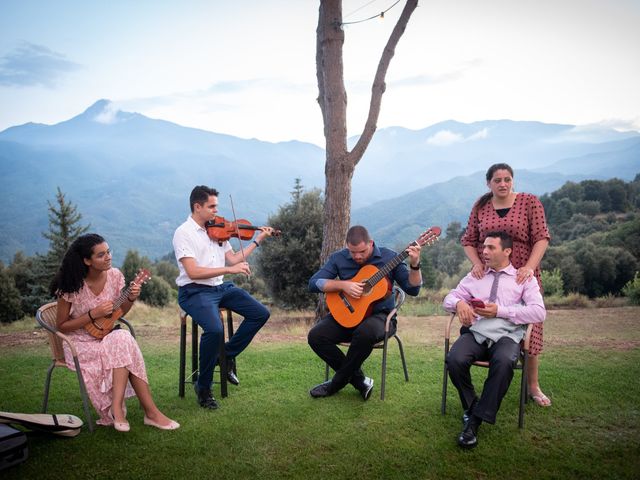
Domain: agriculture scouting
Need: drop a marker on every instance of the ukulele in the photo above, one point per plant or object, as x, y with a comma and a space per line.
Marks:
100, 327
349, 311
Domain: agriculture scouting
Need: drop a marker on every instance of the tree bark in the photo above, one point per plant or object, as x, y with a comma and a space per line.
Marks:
332, 97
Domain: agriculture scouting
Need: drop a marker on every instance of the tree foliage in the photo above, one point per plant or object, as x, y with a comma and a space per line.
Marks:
64, 228
10, 308
157, 291
287, 263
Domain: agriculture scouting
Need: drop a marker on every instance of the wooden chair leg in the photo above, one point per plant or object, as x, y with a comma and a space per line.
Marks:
183, 354
222, 362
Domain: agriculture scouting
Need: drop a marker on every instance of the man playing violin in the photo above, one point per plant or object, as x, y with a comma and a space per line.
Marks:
337, 276
203, 262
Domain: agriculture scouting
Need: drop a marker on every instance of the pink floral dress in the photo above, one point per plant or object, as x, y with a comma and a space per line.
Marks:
526, 224
99, 357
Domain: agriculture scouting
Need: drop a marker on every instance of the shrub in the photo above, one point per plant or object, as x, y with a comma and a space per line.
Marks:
577, 300
632, 290
10, 309
156, 292
552, 282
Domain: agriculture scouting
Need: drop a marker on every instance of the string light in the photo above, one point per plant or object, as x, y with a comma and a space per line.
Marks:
379, 15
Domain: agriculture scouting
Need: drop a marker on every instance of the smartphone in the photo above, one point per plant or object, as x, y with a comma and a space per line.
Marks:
476, 303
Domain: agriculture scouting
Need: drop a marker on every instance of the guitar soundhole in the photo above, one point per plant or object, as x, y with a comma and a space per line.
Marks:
367, 288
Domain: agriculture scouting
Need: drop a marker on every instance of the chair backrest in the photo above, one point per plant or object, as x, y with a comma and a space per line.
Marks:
46, 317
398, 297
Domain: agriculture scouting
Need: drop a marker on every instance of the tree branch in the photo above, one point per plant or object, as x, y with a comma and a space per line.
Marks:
379, 86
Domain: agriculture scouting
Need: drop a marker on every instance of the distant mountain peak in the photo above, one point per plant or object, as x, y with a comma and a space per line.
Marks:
103, 111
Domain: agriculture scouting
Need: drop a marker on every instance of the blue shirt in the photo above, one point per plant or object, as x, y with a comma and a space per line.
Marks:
341, 266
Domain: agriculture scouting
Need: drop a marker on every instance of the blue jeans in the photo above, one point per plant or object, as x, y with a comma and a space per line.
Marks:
203, 303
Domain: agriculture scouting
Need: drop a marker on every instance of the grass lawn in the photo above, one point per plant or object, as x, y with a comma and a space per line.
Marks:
269, 427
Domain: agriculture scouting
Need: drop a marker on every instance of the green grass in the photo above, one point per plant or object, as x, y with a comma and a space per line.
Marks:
270, 428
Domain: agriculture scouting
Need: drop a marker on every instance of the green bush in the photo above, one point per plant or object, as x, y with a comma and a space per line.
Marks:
156, 292
552, 282
632, 290
10, 309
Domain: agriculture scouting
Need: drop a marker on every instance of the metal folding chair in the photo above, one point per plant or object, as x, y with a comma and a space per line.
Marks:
520, 365
399, 297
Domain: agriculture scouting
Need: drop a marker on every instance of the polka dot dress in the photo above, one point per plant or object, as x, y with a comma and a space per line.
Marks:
526, 224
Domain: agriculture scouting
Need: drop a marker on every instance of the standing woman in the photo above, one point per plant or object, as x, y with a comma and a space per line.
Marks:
521, 215
86, 286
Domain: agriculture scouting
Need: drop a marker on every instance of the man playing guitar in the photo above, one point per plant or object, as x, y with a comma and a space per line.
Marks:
337, 276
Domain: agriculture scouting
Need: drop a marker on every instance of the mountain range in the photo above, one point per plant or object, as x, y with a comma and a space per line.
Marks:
131, 175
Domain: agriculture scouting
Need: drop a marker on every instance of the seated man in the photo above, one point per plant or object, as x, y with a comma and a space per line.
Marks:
336, 276
495, 328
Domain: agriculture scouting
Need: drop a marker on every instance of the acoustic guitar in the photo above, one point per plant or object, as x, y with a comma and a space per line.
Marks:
100, 327
349, 311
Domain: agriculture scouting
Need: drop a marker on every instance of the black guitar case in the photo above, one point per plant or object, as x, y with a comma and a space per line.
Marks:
13, 446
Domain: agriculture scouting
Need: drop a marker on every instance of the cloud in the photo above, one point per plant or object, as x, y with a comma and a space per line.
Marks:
444, 138
270, 84
109, 114
433, 79
33, 65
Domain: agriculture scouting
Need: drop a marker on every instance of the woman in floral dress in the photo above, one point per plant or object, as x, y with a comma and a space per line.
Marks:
521, 215
86, 286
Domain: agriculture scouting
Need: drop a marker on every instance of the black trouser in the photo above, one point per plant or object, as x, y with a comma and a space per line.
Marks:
502, 357
327, 333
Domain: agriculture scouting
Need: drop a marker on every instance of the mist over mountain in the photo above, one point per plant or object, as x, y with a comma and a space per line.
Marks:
131, 175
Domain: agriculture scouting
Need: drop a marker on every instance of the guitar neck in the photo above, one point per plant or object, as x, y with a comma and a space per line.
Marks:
389, 266
121, 298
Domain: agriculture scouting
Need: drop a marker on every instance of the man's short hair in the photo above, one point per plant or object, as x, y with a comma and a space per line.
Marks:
200, 195
358, 234
505, 239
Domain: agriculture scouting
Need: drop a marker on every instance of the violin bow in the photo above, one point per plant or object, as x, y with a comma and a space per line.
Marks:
235, 221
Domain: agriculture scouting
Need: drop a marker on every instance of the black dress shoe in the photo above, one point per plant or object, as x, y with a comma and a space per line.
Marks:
468, 438
231, 372
205, 399
322, 390
365, 388
465, 417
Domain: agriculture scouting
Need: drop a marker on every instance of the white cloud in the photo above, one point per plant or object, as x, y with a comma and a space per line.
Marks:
479, 135
444, 138
109, 114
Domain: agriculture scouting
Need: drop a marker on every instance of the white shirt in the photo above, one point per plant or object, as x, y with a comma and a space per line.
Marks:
191, 240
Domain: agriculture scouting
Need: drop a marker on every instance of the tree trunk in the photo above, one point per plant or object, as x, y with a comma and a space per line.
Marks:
332, 98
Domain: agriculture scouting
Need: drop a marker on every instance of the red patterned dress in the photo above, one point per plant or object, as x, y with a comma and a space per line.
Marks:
526, 224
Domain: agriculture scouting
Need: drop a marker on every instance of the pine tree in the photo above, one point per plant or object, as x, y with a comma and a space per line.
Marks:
64, 228
287, 263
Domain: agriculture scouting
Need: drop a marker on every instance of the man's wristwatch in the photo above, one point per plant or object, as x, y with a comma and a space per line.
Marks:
417, 267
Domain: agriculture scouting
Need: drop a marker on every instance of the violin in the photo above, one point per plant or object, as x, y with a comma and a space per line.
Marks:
221, 230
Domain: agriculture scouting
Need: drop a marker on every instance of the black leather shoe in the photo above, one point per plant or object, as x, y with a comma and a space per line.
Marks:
468, 438
322, 390
465, 417
232, 378
205, 399
365, 388
467, 413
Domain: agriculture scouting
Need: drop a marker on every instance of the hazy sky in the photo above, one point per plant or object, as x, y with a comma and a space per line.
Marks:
247, 67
